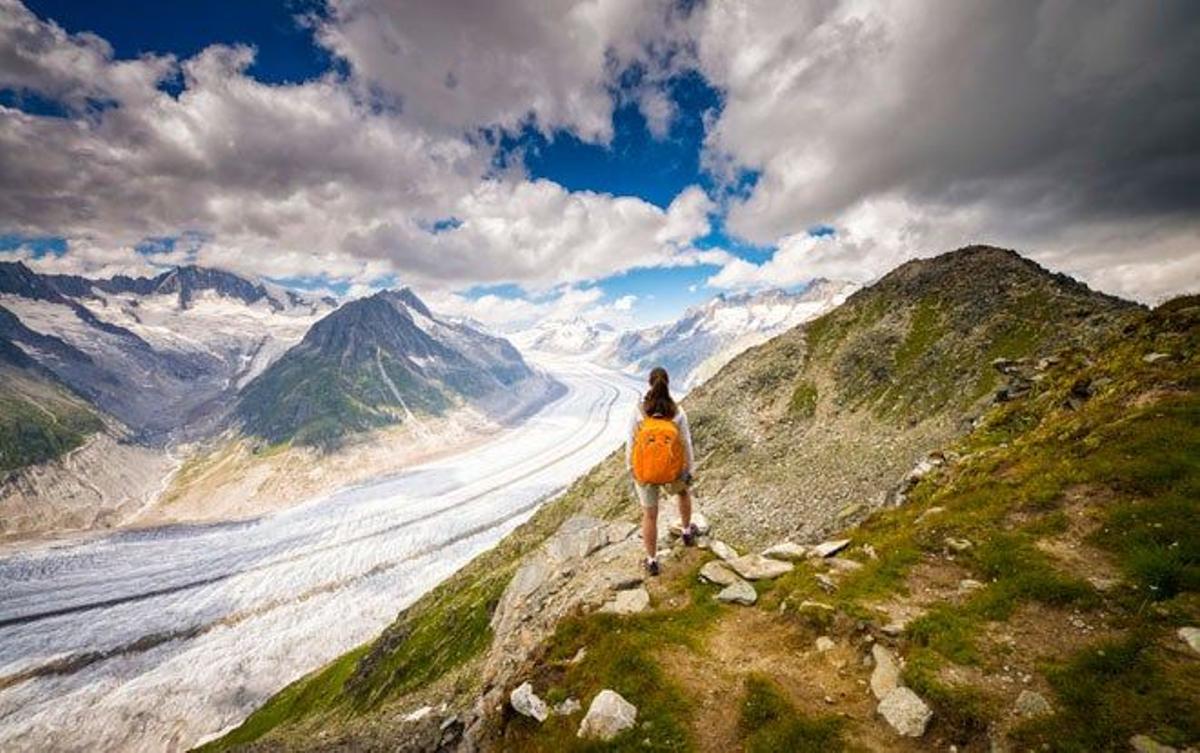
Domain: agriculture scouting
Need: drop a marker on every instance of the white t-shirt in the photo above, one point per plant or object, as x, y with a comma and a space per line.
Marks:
681, 422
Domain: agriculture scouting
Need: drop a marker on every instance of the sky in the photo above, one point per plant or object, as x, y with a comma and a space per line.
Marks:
619, 160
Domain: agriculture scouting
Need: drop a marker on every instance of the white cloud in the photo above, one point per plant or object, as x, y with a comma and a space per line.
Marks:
458, 65
1031, 124
508, 314
311, 180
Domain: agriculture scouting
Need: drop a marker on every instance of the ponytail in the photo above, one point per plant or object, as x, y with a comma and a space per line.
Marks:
658, 401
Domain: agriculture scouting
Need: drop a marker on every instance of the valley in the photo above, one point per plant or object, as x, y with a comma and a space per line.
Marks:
210, 620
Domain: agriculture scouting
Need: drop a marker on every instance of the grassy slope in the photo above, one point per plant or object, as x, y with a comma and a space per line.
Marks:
819, 420
39, 421
309, 400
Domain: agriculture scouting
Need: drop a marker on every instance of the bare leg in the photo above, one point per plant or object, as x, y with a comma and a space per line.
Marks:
685, 508
650, 530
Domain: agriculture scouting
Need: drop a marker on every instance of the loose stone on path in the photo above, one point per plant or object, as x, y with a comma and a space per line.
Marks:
758, 567
905, 712
718, 573
525, 702
739, 592
631, 601
608, 716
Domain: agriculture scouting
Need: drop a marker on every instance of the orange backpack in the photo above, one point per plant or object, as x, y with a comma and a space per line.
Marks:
657, 452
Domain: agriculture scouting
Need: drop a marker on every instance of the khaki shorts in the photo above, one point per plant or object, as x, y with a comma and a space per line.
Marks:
648, 494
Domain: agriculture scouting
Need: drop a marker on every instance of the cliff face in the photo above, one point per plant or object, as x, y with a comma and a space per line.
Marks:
1029, 579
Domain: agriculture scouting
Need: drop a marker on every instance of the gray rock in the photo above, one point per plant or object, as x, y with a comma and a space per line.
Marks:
723, 550
758, 567
567, 707
525, 702
929, 514
894, 629
1030, 704
577, 537
628, 602
825, 643
886, 676
718, 573
815, 606
829, 548
1155, 357
1190, 636
826, 583
739, 592
905, 712
787, 551
620, 531
843, 565
608, 716
967, 585
958, 545
1144, 744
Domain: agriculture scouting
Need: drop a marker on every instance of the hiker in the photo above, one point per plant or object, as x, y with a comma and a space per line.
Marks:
659, 455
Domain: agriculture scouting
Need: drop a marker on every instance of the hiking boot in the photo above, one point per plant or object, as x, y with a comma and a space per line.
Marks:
651, 566
689, 535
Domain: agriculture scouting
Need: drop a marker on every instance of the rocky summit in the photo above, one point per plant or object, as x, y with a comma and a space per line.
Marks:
970, 502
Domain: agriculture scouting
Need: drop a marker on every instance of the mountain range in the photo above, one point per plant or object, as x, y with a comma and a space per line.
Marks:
708, 336
101, 381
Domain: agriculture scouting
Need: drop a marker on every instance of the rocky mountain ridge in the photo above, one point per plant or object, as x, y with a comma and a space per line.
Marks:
973, 606
377, 361
706, 337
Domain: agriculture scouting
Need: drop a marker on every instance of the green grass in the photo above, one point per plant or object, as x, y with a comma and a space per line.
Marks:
316, 693
621, 655
769, 723
960, 713
30, 435
1107, 693
923, 332
803, 403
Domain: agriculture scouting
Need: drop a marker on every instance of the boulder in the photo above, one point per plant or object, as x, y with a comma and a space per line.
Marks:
886, 676
718, 573
631, 601
1030, 704
525, 702
825, 643
758, 567
787, 551
723, 550
608, 716
905, 712
829, 548
738, 592
1190, 636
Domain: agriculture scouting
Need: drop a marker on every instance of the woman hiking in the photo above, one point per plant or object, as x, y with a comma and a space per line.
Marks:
658, 454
